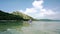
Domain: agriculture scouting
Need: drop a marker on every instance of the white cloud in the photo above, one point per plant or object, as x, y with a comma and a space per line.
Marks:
37, 4
37, 11
30, 10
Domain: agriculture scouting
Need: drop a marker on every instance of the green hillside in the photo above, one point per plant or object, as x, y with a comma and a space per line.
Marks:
7, 16
14, 16
24, 16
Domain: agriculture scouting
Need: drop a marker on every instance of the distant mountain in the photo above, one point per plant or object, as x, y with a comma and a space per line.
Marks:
45, 20
24, 16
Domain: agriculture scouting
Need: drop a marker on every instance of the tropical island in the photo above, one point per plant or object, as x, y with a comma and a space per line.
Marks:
16, 15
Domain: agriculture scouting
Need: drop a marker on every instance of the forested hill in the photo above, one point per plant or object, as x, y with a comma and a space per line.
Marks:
7, 16
24, 16
13, 16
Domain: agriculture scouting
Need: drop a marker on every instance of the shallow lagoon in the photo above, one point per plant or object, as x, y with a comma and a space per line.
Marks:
36, 27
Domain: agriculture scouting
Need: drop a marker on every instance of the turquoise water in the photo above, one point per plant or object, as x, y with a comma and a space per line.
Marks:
36, 27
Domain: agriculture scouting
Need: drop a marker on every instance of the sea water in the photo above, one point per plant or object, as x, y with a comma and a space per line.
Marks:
37, 27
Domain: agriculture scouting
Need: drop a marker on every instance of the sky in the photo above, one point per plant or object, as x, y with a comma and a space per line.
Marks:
40, 9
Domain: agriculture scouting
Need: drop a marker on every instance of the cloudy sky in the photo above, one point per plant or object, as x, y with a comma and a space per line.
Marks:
40, 9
